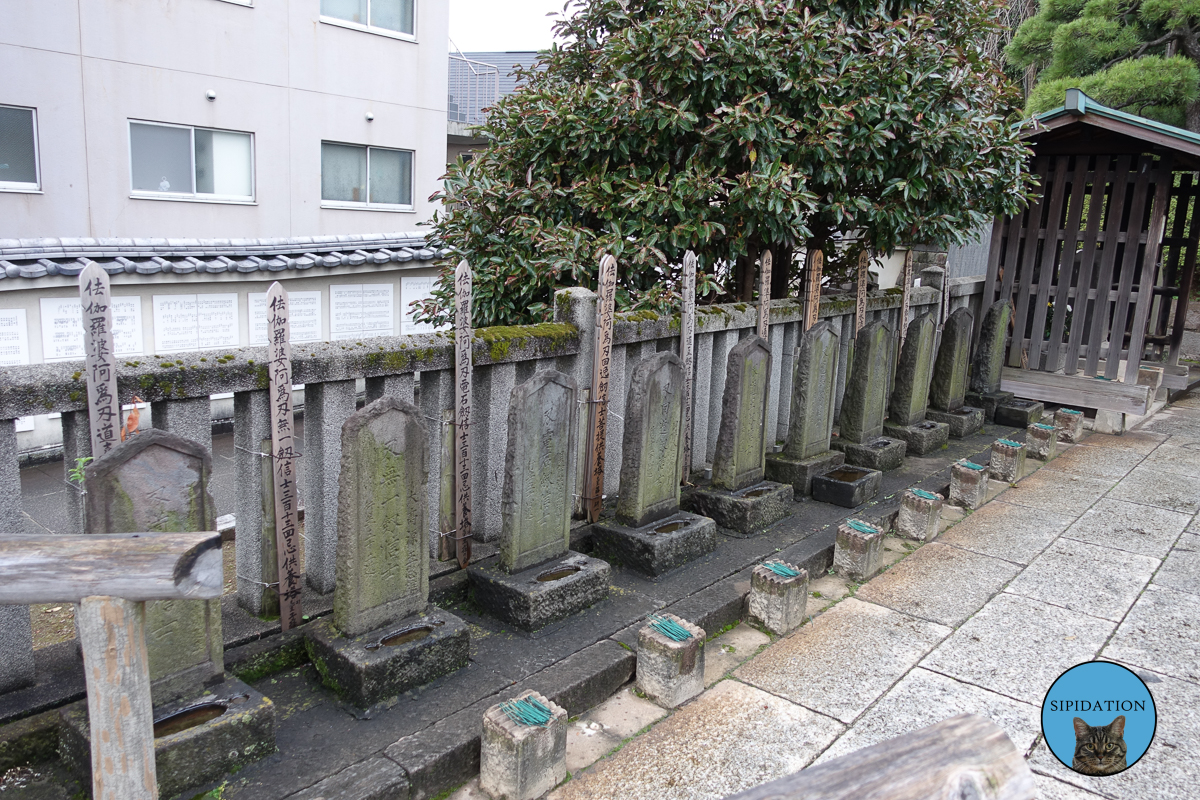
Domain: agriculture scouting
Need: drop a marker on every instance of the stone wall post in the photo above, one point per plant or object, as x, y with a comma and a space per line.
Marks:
327, 406
251, 424
77, 444
16, 634
191, 419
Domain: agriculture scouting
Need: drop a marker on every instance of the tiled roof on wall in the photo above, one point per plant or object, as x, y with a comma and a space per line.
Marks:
37, 258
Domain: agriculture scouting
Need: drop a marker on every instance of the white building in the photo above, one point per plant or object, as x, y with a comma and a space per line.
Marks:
220, 118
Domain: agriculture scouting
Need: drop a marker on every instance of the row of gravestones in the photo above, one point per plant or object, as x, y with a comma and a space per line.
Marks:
384, 637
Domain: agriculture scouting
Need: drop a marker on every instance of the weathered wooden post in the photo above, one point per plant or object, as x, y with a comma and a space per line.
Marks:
462, 412
447, 543
906, 280
764, 295
104, 409
111, 577
283, 456
860, 297
687, 355
812, 292
597, 430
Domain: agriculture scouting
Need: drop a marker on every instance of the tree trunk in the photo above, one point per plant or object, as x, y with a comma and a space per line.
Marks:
1192, 115
781, 275
747, 271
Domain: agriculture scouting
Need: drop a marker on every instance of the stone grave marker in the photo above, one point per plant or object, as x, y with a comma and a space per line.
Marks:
861, 422
649, 532
910, 394
988, 362
157, 481
739, 498
806, 452
365, 652
537, 579
948, 387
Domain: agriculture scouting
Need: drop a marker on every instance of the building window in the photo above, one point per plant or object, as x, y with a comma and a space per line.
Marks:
18, 149
358, 176
180, 162
395, 16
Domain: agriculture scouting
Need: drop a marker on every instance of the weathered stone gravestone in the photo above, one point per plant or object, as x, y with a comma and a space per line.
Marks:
649, 532
739, 498
806, 452
860, 426
384, 637
948, 387
158, 482
989, 361
910, 394
536, 579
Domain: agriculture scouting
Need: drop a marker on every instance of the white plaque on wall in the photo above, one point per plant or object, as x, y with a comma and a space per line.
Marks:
14, 337
361, 310
416, 288
305, 309
62, 327
195, 322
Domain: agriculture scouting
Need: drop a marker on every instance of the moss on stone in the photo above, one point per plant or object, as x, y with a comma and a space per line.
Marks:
77, 375
291, 654
502, 337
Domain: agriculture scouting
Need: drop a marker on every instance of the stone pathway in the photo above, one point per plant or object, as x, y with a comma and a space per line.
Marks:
1095, 555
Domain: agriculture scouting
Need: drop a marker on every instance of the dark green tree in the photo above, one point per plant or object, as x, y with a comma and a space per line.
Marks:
725, 127
1138, 55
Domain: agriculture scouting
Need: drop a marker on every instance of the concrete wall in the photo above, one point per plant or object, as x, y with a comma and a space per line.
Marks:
88, 66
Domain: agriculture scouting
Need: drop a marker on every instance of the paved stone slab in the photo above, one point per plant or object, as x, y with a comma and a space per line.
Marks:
374, 779
1087, 578
1018, 647
1061, 492
1002, 530
923, 698
587, 743
1154, 487
940, 583
824, 665
1140, 441
1131, 527
1178, 455
1050, 789
1181, 570
760, 738
624, 714
1168, 769
725, 652
1096, 462
1172, 424
1161, 633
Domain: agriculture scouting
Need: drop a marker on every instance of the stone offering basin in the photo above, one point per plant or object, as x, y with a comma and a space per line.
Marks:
847, 486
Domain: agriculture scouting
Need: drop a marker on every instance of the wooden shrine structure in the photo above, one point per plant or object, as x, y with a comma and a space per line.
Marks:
1100, 265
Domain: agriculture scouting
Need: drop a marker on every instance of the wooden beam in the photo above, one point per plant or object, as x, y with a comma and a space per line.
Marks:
964, 756
112, 634
134, 566
1076, 390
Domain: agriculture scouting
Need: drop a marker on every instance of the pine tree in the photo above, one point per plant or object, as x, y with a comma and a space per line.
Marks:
1142, 56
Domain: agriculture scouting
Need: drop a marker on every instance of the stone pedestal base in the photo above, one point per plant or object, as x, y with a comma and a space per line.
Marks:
919, 439
847, 486
858, 555
919, 517
1111, 422
1019, 413
1008, 460
658, 547
238, 729
669, 672
1041, 441
988, 402
748, 510
1070, 425
963, 422
367, 669
778, 603
799, 474
968, 486
881, 453
537, 596
522, 762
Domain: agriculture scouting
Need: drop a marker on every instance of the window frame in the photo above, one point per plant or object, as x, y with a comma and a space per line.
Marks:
367, 205
388, 32
22, 187
193, 196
